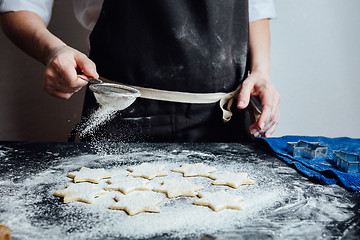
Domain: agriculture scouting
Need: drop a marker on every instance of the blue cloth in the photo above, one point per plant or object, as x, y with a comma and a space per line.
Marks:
321, 170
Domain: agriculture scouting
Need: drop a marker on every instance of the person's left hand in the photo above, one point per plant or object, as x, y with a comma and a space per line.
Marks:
258, 85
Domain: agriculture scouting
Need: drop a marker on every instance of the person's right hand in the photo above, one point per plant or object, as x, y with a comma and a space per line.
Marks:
61, 73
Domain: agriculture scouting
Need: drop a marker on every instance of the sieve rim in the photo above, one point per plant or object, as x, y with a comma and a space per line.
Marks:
130, 90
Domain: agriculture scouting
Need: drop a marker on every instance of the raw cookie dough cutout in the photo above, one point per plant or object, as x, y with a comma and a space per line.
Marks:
89, 175
176, 188
193, 170
148, 171
5, 232
128, 184
137, 202
80, 192
218, 201
231, 179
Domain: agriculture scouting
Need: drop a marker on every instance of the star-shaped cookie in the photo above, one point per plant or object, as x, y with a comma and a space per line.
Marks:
176, 188
128, 184
89, 175
192, 170
218, 201
231, 179
148, 171
137, 202
80, 192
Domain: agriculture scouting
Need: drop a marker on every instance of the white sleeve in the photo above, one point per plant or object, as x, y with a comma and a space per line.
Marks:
261, 9
41, 7
87, 12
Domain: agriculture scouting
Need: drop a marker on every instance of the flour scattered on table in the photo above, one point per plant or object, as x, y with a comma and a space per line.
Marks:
231, 179
82, 192
178, 217
193, 170
177, 188
89, 175
137, 202
148, 171
218, 201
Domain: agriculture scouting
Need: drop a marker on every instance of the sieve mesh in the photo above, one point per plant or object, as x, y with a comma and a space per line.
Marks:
114, 96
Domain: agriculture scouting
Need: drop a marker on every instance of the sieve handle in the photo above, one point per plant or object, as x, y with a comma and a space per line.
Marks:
90, 80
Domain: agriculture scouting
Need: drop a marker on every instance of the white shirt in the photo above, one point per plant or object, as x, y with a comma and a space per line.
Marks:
87, 11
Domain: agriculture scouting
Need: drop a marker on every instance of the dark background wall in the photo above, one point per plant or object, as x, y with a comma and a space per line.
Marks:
26, 111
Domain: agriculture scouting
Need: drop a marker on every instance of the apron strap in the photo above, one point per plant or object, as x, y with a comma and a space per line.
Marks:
186, 97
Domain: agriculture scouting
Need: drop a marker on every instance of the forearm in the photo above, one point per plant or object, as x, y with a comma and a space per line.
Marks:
29, 32
258, 82
260, 47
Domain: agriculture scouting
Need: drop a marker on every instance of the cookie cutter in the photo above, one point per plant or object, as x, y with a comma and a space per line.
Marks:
347, 162
305, 149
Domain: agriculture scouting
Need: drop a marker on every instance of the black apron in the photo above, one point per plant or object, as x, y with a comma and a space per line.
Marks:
198, 46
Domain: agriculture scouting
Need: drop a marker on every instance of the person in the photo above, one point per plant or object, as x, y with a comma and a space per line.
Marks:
201, 47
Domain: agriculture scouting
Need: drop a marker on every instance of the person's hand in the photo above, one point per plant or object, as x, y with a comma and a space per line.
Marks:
62, 69
257, 85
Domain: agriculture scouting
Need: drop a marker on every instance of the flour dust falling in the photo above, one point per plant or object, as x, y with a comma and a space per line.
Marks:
99, 117
111, 98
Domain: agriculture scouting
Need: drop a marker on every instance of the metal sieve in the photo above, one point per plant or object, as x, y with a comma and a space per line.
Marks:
112, 95
115, 96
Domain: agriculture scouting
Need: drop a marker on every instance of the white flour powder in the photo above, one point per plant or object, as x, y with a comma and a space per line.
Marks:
99, 117
110, 103
42, 215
